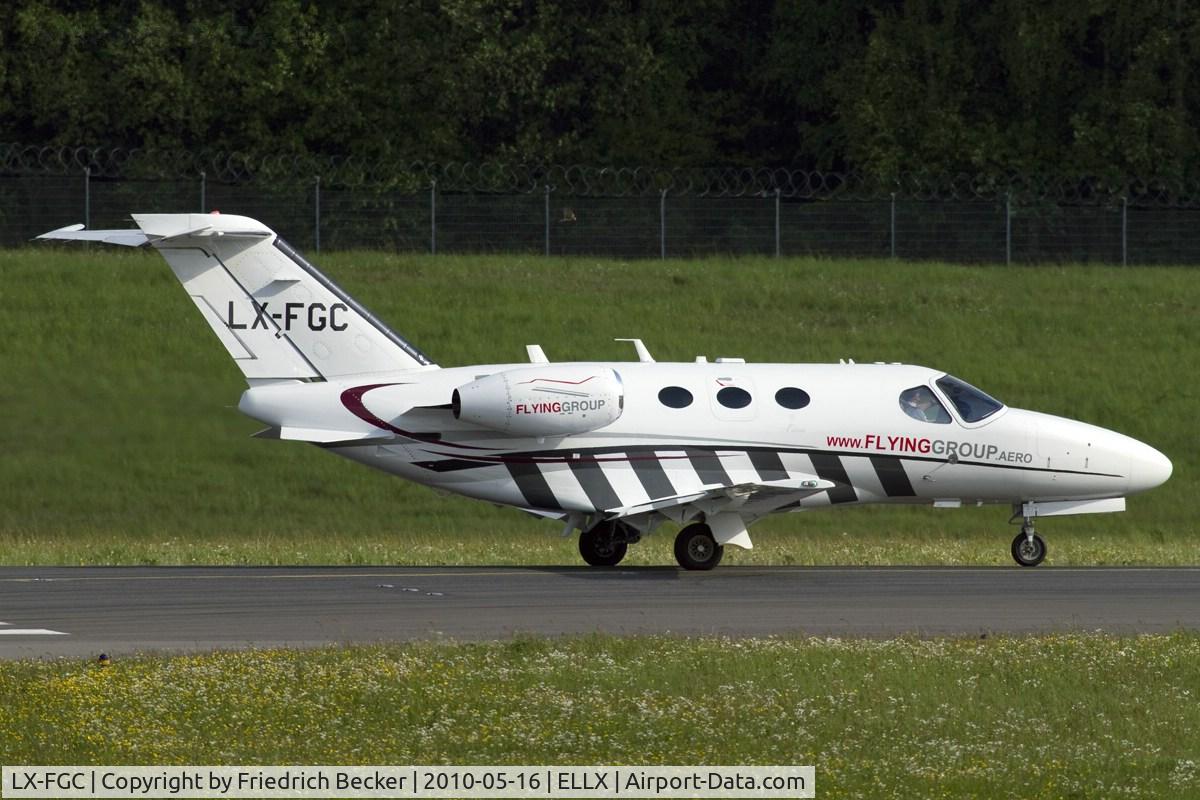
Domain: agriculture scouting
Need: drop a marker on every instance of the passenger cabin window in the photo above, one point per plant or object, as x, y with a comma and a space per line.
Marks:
970, 403
675, 397
791, 397
920, 403
733, 397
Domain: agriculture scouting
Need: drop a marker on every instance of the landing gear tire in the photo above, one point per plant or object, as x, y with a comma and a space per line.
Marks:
695, 548
1028, 551
602, 546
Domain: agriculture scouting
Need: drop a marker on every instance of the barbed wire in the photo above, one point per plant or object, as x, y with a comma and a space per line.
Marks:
587, 180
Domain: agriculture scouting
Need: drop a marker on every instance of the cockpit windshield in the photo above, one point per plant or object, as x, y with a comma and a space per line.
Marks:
970, 403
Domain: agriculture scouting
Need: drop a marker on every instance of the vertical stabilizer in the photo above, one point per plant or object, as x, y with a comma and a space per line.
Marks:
277, 315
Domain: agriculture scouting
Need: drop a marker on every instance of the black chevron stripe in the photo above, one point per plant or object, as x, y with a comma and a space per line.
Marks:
653, 477
892, 476
707, 466
533, 486
768, 465
595, 484
829, 467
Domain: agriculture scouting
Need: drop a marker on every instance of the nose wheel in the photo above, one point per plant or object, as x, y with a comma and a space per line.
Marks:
1028, 549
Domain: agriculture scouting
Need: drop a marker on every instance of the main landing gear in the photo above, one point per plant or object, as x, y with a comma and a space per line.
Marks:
696, 548
1028, 549
605, 544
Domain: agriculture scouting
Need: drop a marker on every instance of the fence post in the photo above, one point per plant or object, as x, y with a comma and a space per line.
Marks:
317, 214
1124, 232
893, 224
87, 197
203, 189
1008, 228
662, 224
547, 209
777, 249
433, 217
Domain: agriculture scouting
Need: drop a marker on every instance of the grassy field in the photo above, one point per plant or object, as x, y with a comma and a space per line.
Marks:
1049, 717
122, 445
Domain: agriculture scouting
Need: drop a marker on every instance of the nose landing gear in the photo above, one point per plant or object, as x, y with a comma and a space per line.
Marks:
1028, 549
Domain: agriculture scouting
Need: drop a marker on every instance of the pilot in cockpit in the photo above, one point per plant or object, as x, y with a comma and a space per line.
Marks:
919, 403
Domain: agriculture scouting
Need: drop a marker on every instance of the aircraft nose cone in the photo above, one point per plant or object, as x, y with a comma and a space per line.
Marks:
1148, 468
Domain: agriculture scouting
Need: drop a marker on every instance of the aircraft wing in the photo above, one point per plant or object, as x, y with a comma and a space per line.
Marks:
757, 498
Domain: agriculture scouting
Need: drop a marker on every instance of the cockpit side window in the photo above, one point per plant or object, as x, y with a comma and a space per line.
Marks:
920, 403
970, 403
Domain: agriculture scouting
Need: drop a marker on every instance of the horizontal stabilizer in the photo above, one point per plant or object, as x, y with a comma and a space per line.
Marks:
132, 237
76, 233
319, 435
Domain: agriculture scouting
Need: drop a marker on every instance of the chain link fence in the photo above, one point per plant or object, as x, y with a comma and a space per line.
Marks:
345, 203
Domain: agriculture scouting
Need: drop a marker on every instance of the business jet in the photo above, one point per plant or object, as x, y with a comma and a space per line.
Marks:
614, 450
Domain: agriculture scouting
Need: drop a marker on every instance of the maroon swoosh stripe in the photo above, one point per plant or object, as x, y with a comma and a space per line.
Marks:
352, 400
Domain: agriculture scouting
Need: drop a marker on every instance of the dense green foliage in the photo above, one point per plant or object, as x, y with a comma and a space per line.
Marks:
1100, 88
122, 444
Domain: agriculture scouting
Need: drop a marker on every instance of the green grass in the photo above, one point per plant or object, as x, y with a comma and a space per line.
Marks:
122, 445
1049, 717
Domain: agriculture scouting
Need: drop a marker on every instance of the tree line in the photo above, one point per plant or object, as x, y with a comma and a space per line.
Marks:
1103, 88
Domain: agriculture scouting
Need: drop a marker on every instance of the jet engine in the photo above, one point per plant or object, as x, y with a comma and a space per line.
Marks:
543, 401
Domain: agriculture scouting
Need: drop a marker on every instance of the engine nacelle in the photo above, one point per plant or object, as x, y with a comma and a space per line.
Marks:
544, 401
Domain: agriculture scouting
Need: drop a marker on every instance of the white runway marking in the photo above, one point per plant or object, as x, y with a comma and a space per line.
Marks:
9, 631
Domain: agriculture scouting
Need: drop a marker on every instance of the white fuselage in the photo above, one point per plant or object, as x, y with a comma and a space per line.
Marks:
852, 432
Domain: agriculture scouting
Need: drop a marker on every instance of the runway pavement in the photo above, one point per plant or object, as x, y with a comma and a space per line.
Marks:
80, 612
